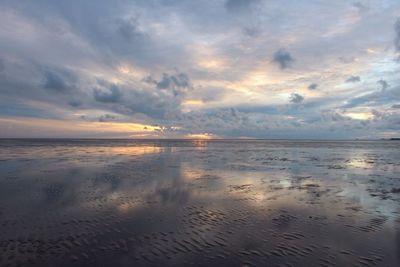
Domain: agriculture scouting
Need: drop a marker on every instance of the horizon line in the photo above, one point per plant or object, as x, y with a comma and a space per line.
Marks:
196, 139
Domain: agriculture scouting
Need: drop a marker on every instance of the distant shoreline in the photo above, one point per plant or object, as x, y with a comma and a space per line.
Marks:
189, 139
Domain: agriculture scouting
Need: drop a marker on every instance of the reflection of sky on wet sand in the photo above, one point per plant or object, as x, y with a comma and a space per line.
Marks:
255, 197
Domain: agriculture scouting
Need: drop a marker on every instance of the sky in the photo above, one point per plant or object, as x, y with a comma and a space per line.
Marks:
200, 69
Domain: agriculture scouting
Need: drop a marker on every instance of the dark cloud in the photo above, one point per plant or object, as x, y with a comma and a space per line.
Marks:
313, 86
334, 116
112, 95
75, 103
2, 65
361, 100
375, 98
107, 117
353, 79
396, 106
129, 30
397, 37
227, 122
161, 105
165, 82
176, 83
347, 60
283, 58
239, 5
130, 99
384, 85
377, 113
360, 6
57, 81
251, 31
223, 122
296, 98
180, 80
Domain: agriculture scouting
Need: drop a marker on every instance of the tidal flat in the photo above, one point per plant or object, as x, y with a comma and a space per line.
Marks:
199, 203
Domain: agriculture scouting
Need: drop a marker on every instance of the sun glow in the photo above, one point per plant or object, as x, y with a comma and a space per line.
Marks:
360, 115
202, 136
69, 127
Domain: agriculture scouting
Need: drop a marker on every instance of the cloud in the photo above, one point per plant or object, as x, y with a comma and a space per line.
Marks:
61, 81
296, 98
347, 60
55, 56
384, 85
251, 31
396, 106
377, 113
375, 98
334, 116
397, 37
107, 118
353, 79
283, 58
112, 95
180, 80
360, 6
313, 86
145, 98
177, 83
129, 30
75, 103
222, 122
239, 5
2, 65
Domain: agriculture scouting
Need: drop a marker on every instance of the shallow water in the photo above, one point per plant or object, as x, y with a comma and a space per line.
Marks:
201, 203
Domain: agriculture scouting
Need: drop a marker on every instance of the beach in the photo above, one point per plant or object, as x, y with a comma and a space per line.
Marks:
92, 202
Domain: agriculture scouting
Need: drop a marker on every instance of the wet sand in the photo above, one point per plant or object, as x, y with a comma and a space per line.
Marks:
198, 203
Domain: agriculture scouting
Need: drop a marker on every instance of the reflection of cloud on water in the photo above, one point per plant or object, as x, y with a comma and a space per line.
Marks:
179, 193
176, 193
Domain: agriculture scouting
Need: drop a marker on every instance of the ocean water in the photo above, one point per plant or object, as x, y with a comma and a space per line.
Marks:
199, 203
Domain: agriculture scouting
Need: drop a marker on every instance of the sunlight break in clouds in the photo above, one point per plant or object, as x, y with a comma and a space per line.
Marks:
200, 69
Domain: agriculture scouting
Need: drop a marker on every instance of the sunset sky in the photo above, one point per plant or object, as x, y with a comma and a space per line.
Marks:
200, 69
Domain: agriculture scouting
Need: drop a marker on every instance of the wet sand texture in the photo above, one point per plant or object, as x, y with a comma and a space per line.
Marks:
197, 203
